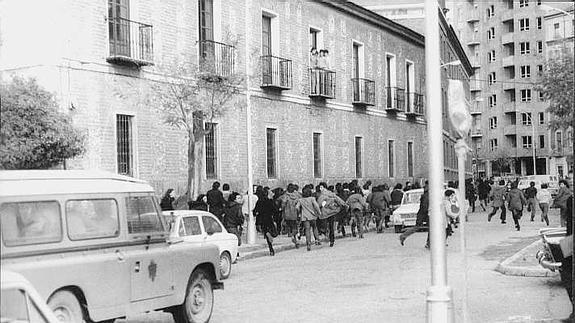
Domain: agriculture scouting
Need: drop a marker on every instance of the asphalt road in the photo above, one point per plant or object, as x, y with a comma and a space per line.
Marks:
378, 280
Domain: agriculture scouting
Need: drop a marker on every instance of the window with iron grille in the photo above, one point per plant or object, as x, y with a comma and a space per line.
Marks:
391, 158
271, 157
526, 95
358, 157
527, 141
410, 159
317, 156
124, 144
211, 145
524, 24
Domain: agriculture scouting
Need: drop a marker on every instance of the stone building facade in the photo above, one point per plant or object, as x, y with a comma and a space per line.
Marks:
363, 119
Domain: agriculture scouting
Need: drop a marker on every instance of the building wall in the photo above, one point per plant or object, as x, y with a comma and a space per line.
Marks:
68, 56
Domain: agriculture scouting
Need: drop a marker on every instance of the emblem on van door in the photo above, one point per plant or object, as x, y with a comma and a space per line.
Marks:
152, 267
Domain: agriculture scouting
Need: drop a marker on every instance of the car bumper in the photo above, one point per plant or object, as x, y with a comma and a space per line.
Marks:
546, 262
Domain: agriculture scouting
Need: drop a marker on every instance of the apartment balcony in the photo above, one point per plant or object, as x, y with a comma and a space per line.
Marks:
509, 108
277, 73
217, 60
508, 61
526, 151
131, 43
475, 40
363, 92
507, 38
414, 105
474, 85
395, 99
473, 16
322, 83
475, 112
476, 133
510, 130
475, 62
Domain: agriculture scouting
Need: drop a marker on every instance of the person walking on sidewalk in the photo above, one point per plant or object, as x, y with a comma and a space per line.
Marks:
421, 223
265, 210
561, 200
544, 198
483, 189
531, 196
379, 204
330, 205
234, 218
290, 213
515, 202
310, 211
497, 196
357, 206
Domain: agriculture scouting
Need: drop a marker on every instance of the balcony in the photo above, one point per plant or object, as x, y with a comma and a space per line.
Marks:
322, 83
217, 60
508, 61
473, 16
395, 99
510, 130
475, 112
474, 85
131, 43
507, 38
475, 40
507, 15
414, 104
363, 92
475, 62
276, 73
476, 133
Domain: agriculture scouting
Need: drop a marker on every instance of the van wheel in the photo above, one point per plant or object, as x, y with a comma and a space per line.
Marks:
225, 265
199, 301
66, 307
398, 228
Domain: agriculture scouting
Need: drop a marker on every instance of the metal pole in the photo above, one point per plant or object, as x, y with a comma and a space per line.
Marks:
439, 295
461, 148
251, 221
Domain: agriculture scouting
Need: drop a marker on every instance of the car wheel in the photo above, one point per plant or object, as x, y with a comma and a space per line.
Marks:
199, 301
398, 228
225, 265
66, 307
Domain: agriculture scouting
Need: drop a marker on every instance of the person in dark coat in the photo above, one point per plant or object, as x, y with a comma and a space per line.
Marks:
199, 204
216, 201
234, 217
167, 202
483, 189
531, 196
497, 195
422, 221
515, 201
470, 194
567, 263
265, 210
396, 197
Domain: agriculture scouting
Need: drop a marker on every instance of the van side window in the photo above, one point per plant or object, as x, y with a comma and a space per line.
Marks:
90, 219
192, 225
142, 215
26, 223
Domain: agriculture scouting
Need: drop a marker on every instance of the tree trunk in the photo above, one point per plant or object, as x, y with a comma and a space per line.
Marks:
191, 165
195, 155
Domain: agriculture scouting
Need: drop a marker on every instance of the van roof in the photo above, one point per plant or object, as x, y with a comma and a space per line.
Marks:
48, 182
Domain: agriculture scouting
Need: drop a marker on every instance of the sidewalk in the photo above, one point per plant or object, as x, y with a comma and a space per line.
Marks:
524, 263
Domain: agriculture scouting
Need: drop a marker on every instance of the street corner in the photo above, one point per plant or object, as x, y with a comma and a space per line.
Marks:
523, 263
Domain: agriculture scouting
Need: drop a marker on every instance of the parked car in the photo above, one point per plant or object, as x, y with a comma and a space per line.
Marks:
406, 214
201, 227
20, 302
551, 180
551, 256
96, 246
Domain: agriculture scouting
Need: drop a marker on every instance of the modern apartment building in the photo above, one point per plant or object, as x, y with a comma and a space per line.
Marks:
361, 116
506, 43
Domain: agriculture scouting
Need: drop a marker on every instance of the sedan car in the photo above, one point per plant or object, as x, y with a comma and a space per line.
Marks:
406, 214
201, 227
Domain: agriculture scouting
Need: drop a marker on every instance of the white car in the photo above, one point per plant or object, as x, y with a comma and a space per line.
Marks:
406, 214
201, 227
20, 302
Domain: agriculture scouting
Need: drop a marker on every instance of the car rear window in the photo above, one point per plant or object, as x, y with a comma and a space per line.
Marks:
142, 215
91, 219
211, 225
192, 226
27, 223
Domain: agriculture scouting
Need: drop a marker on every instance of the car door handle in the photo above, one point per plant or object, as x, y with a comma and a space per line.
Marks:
120, 255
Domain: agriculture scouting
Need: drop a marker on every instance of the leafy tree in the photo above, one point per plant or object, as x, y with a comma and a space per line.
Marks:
33, 133
191, 96
557, 86
502, 163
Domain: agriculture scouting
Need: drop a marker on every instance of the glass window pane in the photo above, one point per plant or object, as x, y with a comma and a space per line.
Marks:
27, 223
88, 219
211, 225
192, 225
142, 215
271, 152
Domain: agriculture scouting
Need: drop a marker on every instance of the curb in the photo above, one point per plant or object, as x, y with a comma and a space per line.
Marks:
505, 268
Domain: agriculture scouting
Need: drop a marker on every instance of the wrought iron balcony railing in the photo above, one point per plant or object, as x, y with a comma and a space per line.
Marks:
363, 91
321, 83
395, 99
276, 72
217, 60
414, 104
131, 42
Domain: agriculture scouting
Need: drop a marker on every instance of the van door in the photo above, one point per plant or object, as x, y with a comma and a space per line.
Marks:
151, 273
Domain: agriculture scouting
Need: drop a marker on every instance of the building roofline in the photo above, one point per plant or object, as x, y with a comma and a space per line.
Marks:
376, 19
